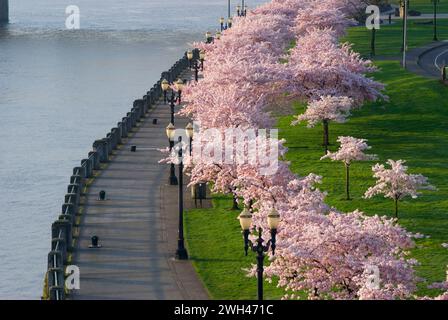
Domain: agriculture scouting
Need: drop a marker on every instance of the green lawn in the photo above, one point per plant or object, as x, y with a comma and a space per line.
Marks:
216, 246
389, 37
425, 6
412, 126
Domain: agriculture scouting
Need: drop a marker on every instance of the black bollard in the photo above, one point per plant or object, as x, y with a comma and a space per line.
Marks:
154, 121
102, 195
95, 244
133, 148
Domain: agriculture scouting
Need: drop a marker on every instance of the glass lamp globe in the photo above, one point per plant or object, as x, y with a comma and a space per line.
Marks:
179, 85
171, 131
273, 220
165, 85
245, 218
189, 130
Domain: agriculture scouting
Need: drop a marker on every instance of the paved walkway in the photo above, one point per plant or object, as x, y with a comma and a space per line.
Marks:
136, 225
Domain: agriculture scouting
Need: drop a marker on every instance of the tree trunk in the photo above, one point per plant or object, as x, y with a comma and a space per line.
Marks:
347, 181
235, 203
396, 208
326, 135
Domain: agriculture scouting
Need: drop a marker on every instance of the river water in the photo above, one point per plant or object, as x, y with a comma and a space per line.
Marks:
62, 89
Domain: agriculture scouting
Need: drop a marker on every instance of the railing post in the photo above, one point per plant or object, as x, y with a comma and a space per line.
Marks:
95, 160
66, 228
54, 256
61, 246
75, 188
116, 137
79, 171
88, 165
69, 209
57, 292
99, 147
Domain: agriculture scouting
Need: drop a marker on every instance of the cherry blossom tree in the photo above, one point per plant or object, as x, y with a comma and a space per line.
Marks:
395, 183
351, 149
320, 251
330, 255
322, 15
319, 66
326, 109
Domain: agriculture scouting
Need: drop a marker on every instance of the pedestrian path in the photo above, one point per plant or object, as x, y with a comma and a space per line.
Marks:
136, 225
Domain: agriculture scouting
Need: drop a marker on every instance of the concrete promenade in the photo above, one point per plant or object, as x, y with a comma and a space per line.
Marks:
136, 225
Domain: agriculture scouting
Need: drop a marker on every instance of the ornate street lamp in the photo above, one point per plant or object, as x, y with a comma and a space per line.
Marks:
171, 133
181, 252
202, 58
208, 37
196, 65
218, 35
190, 57
241, 10
189, 130
260, 248
221, 22
165, 87
179, 84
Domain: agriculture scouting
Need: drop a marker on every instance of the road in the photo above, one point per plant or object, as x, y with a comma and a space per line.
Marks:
432, 61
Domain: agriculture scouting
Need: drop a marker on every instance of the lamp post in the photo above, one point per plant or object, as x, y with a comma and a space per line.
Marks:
405, 31
179, 84
181, 252
259, 248
435, 2
202, 59
208, 37
190, 57
196, 65
165, 87
189, 130
171, 133
241, 10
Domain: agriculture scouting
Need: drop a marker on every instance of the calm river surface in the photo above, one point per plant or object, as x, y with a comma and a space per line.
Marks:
62, 89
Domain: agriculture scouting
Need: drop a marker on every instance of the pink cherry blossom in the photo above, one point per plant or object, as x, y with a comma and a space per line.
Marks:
326, 109
320, 251
395, 183
351, 149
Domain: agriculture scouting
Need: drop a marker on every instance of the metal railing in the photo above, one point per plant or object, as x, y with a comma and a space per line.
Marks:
62, 229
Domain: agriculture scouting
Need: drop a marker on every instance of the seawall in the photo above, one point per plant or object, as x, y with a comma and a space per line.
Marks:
65, 230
